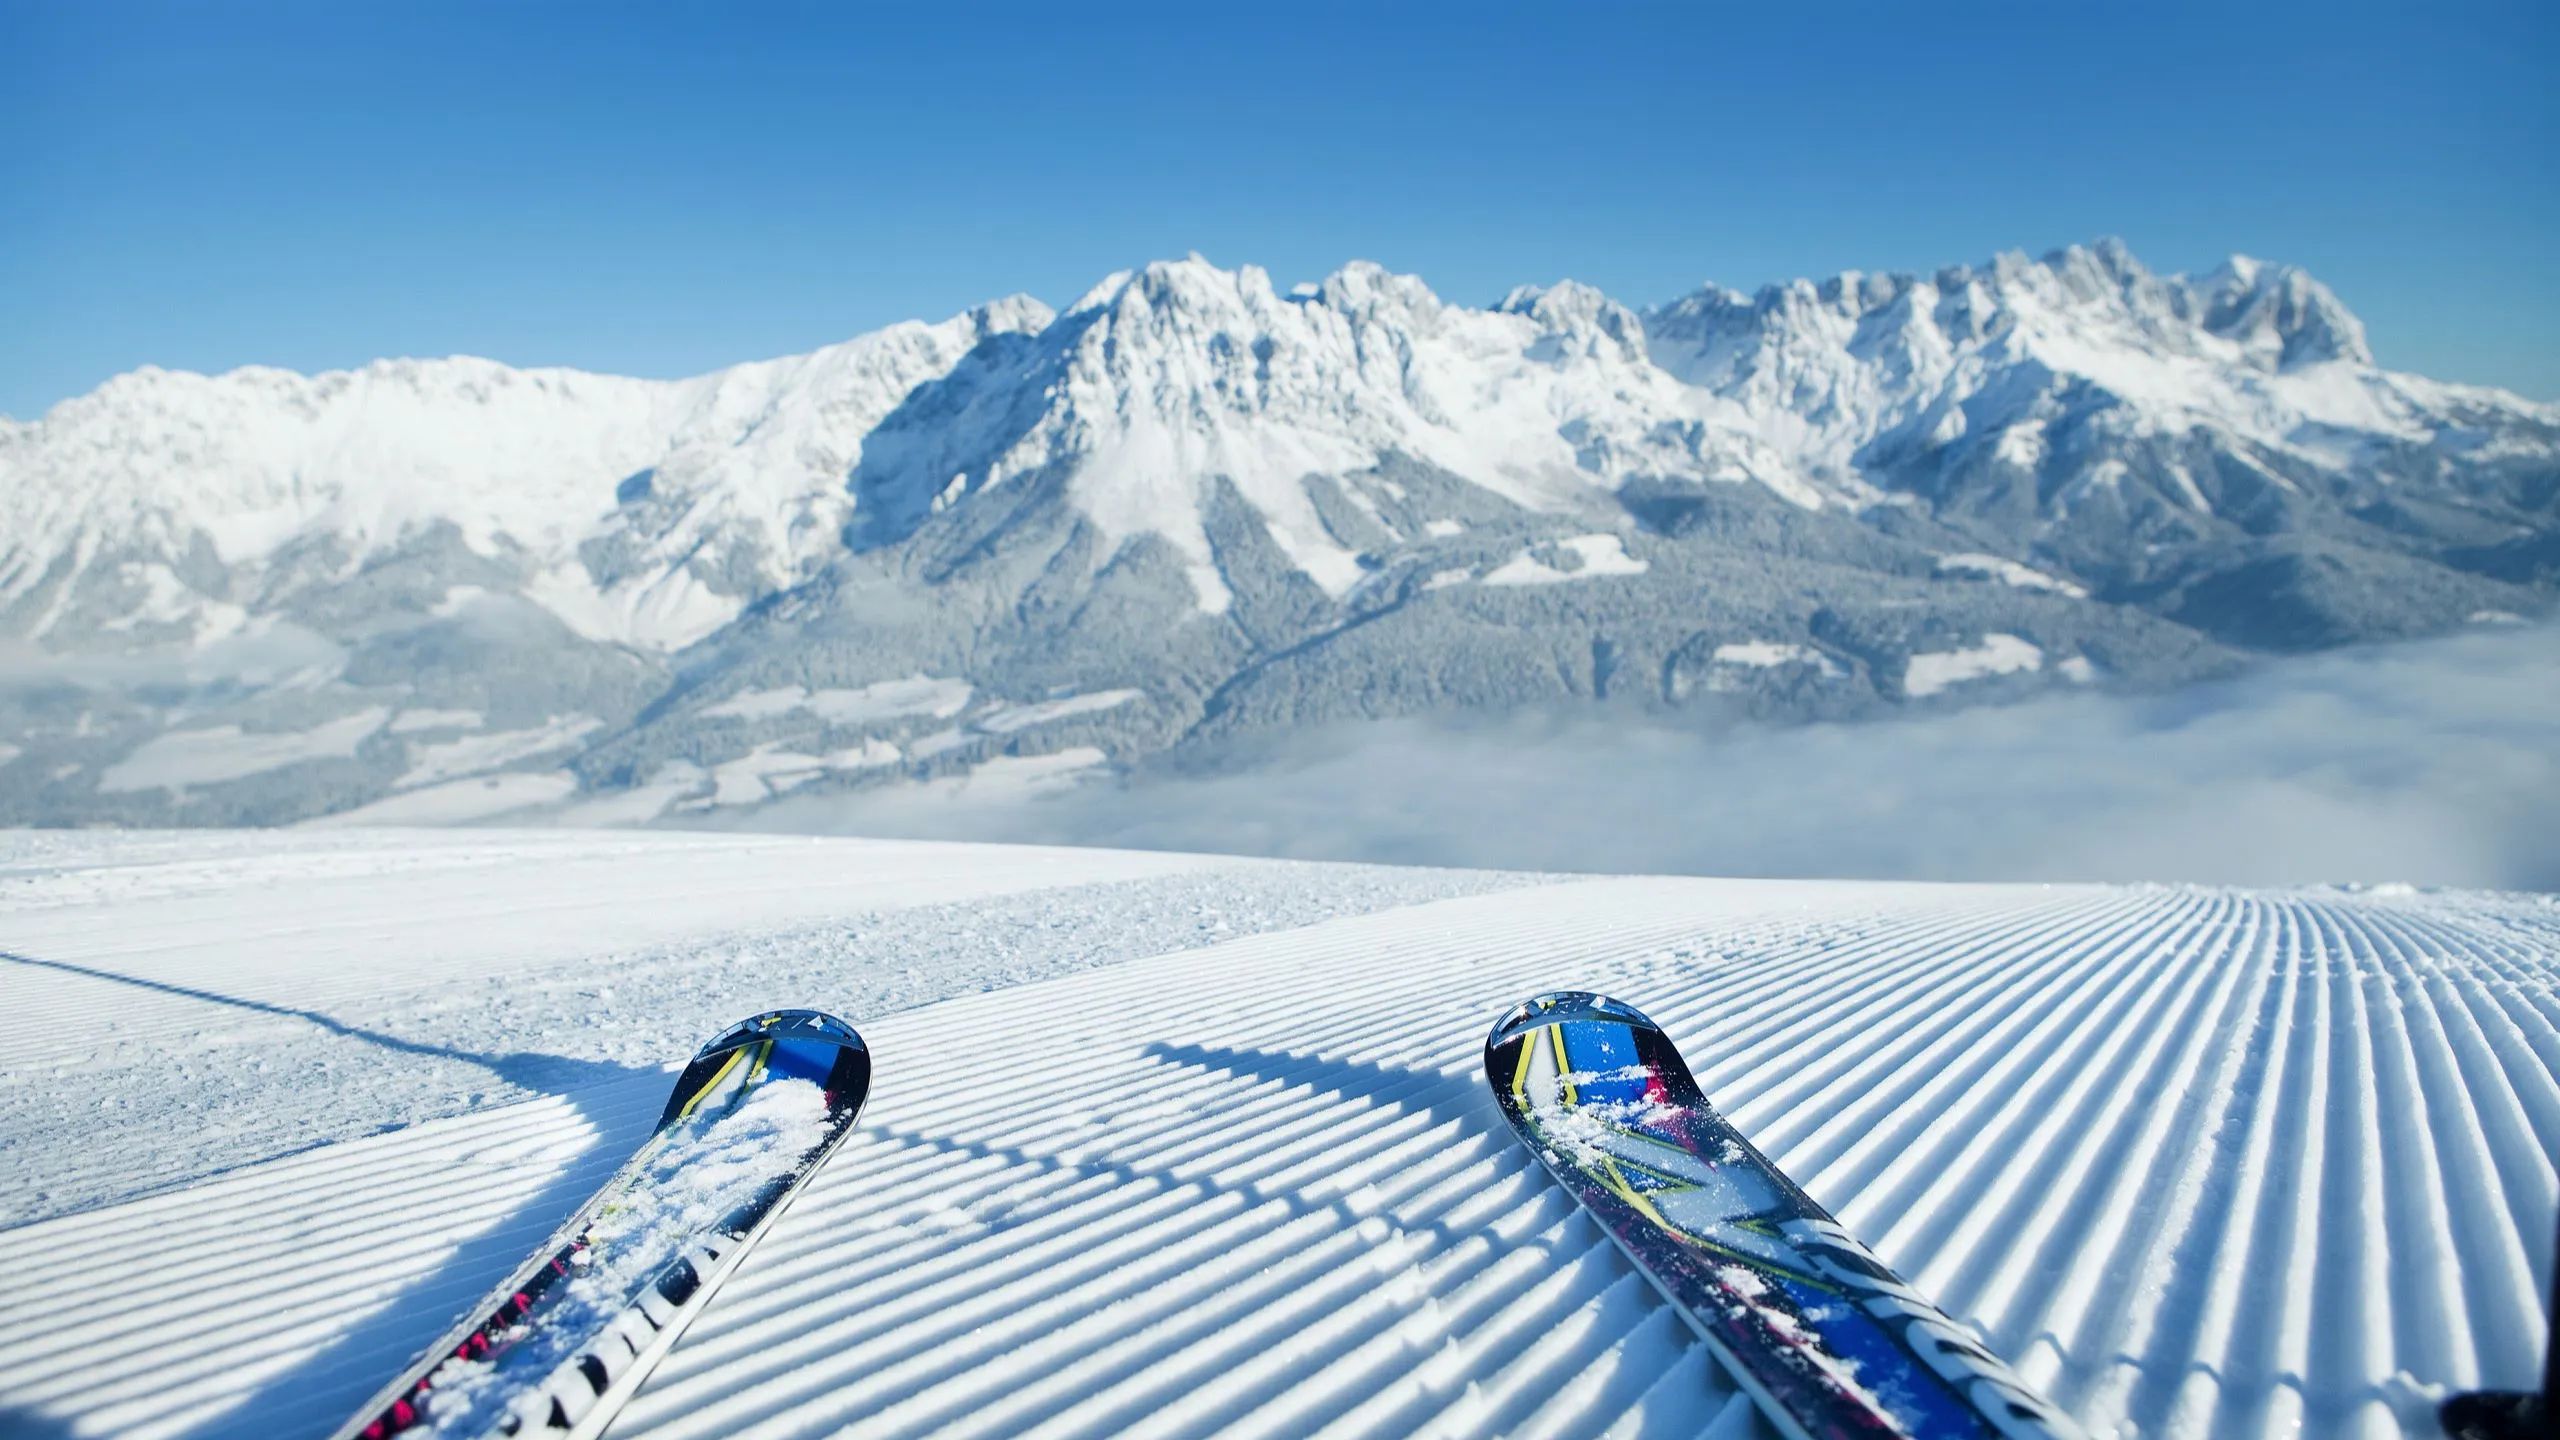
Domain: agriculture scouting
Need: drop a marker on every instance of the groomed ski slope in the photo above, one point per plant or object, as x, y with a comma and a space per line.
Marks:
2201, 1162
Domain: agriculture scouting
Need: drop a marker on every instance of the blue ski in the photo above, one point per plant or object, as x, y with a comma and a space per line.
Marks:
558, 1348
1827, 1340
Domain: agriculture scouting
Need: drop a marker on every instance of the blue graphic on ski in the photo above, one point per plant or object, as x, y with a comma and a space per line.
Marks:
1820, 1333
558, 1348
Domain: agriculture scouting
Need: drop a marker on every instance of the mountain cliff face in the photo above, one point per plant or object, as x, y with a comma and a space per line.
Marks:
1191, 508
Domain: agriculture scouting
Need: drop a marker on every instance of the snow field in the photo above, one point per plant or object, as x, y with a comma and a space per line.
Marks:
2008, 572
1926, 675
887, 700
1007, 719
181, 758
1596, 556
2200, 1162
204, 1003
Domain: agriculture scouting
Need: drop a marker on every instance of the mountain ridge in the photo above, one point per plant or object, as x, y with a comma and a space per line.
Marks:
1246, 508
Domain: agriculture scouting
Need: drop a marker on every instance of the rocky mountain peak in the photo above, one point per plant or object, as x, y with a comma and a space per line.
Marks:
1582, 316
2279, 316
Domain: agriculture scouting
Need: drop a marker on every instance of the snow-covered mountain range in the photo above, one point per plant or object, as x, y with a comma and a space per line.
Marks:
1193, 507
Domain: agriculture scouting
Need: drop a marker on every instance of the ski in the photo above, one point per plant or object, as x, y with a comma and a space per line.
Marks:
1827, 1340
2513, 1414
558, 1348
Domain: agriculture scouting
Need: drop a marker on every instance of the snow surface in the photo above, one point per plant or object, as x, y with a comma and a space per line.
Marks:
408, 721
769, 770
1769, 654
2009, 572
1007, 719
1204, 1145
1996, 655
460, 802
1004, 778
471, 754
181, 758
1592, 556
887, 700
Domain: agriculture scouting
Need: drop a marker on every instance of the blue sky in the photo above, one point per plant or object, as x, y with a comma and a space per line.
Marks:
666, 190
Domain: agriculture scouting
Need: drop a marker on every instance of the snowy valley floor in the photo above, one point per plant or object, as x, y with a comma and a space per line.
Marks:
1190, 1144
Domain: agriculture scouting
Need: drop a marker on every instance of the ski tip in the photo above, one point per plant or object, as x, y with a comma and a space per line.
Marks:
1561, 1005
2495, 1415
783, 1025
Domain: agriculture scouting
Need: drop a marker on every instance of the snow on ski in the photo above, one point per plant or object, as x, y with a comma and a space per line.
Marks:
558, 1348
1825, 1338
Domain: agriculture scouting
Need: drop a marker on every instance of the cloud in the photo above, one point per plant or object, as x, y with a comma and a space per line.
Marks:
2433, 763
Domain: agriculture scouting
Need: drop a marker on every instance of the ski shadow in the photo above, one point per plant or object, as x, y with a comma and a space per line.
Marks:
619, 1105
17, 1424
522, 1069
1428, 1217
1442, 1096
1459, 1104
326, 1386
1438, 1097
